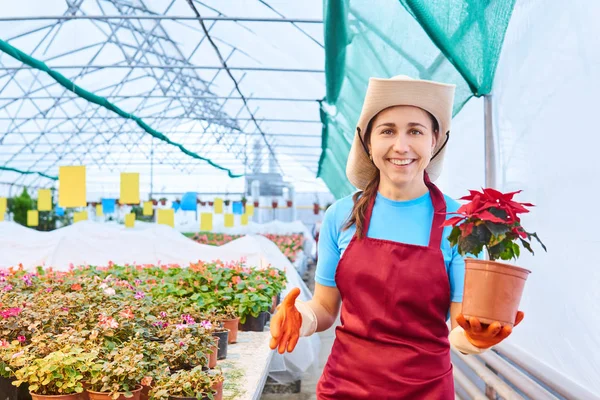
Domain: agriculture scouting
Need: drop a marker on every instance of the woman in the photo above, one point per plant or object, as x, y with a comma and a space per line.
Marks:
384, 252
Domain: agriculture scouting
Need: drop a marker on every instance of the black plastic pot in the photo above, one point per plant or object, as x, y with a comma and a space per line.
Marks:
8, 391
255, 324
223, 338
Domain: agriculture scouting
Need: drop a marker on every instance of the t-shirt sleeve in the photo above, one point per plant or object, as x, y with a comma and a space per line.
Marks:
329, 252
457, 276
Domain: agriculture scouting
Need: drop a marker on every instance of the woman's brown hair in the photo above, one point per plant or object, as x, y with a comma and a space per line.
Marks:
363, 198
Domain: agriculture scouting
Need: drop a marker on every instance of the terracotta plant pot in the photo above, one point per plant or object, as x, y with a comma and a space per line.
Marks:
106, 396
256, 204
316, 209
212, 357
493, 290
163, 202
154, 202
211, 203
223, 341
74, 396
274, 204
145, 393
218, 389
232, 325
289, 203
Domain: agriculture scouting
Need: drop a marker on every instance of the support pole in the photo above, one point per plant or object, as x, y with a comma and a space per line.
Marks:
490, 145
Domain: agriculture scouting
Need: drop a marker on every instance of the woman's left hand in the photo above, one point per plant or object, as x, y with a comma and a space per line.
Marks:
486, 337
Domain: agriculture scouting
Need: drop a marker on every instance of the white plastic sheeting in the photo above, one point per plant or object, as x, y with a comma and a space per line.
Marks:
545, 102
93, 243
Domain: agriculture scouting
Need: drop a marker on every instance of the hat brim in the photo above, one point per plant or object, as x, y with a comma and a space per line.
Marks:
433, 97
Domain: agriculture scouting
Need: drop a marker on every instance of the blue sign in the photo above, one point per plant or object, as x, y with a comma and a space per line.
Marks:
188, 201
175, 205
59, 211
108, 206
238, 207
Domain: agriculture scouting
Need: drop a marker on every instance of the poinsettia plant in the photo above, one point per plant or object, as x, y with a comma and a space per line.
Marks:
490, 220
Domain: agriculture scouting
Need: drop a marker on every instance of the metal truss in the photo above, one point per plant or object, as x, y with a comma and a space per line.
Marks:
155, 76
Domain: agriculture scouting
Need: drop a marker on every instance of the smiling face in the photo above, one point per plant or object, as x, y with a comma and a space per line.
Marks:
401, 142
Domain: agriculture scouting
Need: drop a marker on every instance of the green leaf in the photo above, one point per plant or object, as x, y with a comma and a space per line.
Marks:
496, 229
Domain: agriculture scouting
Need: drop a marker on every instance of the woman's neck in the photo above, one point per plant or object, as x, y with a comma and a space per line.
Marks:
409, 191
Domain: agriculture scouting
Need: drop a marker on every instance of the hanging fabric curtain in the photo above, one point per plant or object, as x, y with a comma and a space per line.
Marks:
453, 41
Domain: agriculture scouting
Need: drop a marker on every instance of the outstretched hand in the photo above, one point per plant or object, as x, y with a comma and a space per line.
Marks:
488, 336
286, 324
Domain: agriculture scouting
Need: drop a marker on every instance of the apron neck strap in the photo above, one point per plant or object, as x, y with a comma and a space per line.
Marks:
439, 214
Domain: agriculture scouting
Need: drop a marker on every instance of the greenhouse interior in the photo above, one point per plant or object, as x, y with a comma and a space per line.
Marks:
197, 200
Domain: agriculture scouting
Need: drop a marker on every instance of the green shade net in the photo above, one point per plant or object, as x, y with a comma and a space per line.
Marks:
452, 41
101, 101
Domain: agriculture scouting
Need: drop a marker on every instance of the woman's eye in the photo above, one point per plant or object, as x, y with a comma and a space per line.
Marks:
387, 132
416, 132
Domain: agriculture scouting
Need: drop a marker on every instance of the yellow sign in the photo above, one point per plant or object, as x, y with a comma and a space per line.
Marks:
80, 216
44, 200
130, 220
206, 222
99, 212
148, 208
218, 206
250, 209
244, 219
71, 189
33, 218
130, 188
166, 216
2, 208
228, 220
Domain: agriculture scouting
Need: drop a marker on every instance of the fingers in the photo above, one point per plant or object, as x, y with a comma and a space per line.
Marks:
475, 324
283, 341
460, 319
276, 324
520, 316
493, 329
273, 343
504, 333
292, 343
290, 299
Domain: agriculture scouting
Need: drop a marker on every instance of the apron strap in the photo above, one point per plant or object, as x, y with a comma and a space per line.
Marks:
439, 214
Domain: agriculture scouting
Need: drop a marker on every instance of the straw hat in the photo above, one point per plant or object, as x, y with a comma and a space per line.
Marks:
434, 97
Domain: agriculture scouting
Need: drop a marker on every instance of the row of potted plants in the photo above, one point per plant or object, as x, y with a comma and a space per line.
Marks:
142, 331
289, 245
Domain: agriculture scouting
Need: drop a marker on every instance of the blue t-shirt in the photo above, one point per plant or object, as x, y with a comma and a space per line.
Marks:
400, 221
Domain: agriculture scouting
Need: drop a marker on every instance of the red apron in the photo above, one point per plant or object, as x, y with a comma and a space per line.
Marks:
393, 340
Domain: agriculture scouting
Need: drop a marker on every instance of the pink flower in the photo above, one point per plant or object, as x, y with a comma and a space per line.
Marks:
4, 343
127, 313
107, 322
139, 295
7, 288
163, 314
206, 324
48, 290
21, 338
110, 291
188, 319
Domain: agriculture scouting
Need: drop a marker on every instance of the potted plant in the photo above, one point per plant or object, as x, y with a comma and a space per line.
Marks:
316, 208
60, 374
289, 203
256, 202
228, 319
274, 203
189, 385
211, 203
118, 375
163, 201
244, 201
491, 220
154, 202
